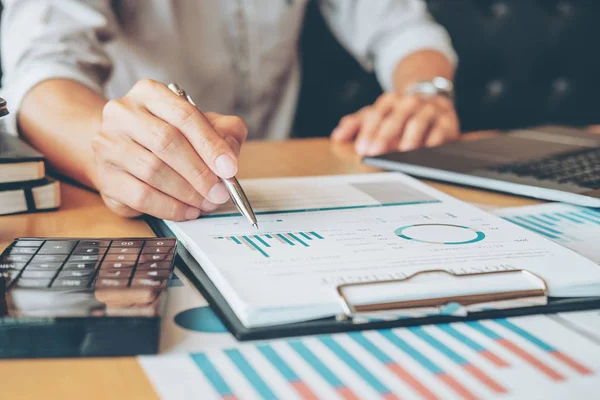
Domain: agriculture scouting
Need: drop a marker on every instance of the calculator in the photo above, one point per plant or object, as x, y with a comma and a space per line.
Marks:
64, 297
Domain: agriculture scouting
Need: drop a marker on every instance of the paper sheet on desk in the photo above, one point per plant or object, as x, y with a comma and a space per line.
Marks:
577, 228
319, 232
535, 357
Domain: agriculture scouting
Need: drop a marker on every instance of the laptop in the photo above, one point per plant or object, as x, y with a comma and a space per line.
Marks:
549, 163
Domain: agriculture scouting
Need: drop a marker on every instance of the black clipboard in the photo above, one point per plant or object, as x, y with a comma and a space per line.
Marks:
194, 272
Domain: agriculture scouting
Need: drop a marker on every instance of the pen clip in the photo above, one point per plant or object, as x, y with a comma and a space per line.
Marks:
181, 93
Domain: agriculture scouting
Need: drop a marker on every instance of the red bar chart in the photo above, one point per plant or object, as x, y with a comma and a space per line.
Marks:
501, 358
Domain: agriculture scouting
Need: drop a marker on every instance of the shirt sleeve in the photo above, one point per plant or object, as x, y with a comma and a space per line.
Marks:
49, 39
379, 34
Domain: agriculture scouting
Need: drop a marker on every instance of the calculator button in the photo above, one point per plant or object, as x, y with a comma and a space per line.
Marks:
91, 243
82, 266
127, 243
154, 283
49, 258
83, 250
23, 250
111, 282
124, 250
84, 273
11, 266
17, 258
160, 243
58, 247
117, 264
42, 266
155, 265
33, 283
37, 274
159, 273
115, 273
157, 250
70, 283
84, 258
121, 257
28, 243
156, 257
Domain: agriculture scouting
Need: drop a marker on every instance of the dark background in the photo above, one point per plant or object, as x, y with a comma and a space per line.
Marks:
522, 63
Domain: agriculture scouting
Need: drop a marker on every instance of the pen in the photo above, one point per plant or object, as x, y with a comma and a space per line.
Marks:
233, 186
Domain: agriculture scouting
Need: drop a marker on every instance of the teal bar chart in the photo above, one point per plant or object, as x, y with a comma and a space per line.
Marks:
572, 226
263, 243
558, 224
471, 360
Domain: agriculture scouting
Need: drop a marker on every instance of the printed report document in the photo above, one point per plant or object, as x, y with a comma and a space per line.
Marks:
319, 232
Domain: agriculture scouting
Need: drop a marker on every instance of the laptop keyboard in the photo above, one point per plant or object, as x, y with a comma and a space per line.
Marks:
581, 168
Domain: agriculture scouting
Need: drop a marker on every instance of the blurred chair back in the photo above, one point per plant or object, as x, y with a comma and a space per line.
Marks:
522, 63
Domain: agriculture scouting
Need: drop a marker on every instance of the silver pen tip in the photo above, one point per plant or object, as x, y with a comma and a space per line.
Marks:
255, 225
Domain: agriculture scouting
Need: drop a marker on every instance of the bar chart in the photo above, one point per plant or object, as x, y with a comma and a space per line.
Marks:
574, 227
263, 243
558, 224
471, 360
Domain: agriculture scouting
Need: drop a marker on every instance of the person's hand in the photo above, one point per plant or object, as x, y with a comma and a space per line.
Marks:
157, 154
399, 123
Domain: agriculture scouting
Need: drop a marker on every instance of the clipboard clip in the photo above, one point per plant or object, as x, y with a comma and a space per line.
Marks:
440, 292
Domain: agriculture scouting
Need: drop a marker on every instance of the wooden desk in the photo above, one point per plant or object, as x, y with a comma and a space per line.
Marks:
83, 214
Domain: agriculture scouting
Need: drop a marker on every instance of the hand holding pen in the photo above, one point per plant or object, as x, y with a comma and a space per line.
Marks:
158, 154
238, 197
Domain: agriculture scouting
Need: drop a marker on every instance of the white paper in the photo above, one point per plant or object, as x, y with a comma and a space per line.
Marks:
316, 233
535, 357
585, 322
577, 228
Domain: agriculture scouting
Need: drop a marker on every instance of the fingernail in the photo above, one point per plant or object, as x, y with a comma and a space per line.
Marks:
376, 149
362, 146
218, 194
234, 144
208, 206
192, 213
335, 133
226, 166
406, 147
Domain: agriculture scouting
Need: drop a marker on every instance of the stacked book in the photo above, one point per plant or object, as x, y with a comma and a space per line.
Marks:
24, 186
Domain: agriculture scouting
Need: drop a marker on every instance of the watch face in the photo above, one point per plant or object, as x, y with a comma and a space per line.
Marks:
437, 86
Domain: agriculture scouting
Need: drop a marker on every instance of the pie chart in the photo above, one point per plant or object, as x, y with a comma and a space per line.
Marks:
200, 319
446, 234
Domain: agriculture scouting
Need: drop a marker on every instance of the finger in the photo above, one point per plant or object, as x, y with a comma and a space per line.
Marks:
385, 103
232, 129
178, 112
119, 208
444, 103
443, 131
234, 144
372, 119
147, 167
168, 144
126, 189
228, 125
391, 129
417, 128
347, 128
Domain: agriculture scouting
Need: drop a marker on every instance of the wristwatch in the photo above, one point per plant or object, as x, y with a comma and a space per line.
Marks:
436, 86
